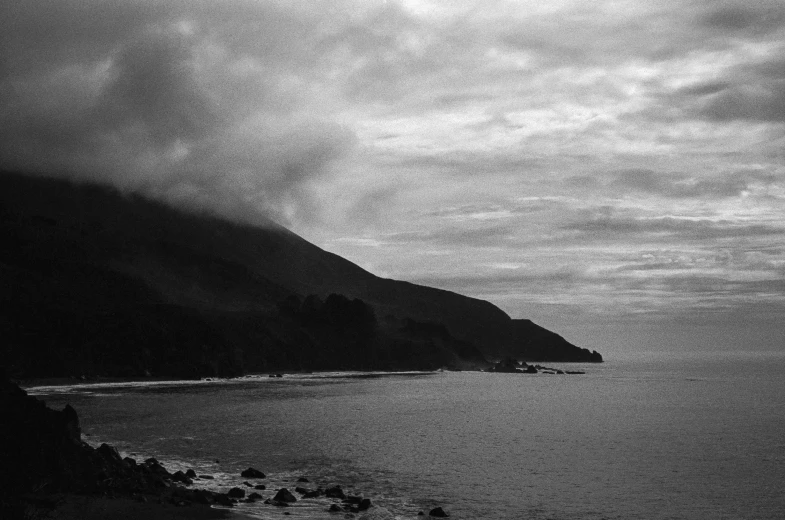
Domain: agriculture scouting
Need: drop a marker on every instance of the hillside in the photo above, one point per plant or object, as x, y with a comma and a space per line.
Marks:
93, 280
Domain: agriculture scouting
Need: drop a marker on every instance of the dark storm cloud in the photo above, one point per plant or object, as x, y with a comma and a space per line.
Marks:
192, 102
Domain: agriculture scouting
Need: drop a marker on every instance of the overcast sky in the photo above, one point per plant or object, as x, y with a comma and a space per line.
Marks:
614, 170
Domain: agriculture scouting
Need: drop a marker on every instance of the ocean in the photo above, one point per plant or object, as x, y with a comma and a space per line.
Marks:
654, 436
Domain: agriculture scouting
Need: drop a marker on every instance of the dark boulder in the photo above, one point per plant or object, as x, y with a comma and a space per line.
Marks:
156, 468
365, 504
236, 492
223, 500
207, 477
314, 494
283, 495
190, 473
334, 492
438, 512
506, 365
303, 479
260, 486
302, 490
201, 496
179, 476
252, 473
335, 508
255, 496
108, 452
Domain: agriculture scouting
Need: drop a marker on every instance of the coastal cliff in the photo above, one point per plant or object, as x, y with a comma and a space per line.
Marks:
101, 283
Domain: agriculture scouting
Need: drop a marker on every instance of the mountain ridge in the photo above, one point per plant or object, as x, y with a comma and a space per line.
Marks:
204, 268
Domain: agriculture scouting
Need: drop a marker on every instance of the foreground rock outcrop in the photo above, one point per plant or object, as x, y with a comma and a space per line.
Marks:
43, 456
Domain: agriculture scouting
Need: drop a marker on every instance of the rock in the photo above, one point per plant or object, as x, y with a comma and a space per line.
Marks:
255, 496
530, 370
208, 477
156, 468
506, 365
130, 462
190, 473
108, 452
314, 494
283, 495
201, 496
353, 499
260, 486
252, 473
179, 476
247, 484
438, 512
303, 479
335, 492
236, 492
224, 500
302, 490
335, 508
365, 504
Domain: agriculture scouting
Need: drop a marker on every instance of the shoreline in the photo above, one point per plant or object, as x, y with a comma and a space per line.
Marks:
51, 472
54, 382
45, 382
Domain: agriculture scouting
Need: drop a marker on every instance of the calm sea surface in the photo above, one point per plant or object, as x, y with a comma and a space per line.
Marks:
658, 437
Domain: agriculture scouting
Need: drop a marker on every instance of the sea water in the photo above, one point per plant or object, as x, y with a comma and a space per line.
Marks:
698, 436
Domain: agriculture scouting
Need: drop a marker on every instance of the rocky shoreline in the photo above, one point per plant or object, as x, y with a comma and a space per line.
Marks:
50, 472
512, 366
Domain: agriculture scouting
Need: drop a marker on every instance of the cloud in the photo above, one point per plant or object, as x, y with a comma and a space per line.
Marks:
612, 226
681, 186
748, 91
751, 17
761, 102
482, 236
205, 105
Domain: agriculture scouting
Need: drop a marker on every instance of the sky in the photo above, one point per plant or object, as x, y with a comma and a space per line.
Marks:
613, 170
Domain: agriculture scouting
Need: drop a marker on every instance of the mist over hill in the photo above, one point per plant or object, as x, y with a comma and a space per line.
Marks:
98, 282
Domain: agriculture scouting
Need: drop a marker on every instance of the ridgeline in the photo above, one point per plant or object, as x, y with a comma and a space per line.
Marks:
95, 282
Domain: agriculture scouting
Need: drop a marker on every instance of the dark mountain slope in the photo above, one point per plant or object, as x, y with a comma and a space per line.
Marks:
119, 269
